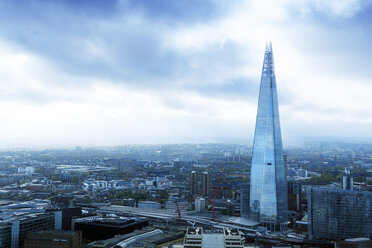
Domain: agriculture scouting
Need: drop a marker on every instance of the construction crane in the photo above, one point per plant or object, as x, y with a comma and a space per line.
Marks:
200, 193
212, 201
185, 206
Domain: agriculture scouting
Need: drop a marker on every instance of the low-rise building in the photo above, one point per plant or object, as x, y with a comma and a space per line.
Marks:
149, 204
15, 225
53, 239
218, 238
100, 227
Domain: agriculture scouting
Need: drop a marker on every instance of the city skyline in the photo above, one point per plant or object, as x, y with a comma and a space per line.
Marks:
132, 72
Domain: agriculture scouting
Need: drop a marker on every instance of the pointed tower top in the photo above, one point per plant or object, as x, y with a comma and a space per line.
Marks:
269, 47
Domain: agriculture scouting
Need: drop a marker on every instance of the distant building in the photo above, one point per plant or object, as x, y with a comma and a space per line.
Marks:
149, 204
26, 170
194, 182
53, 239
200, 204
216, 238
294, 196
268, 182
205, 183
93, 185
347, 179
339, 214
183, 205
302, 173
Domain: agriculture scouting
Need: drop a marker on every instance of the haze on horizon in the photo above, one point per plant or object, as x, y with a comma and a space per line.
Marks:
134, 71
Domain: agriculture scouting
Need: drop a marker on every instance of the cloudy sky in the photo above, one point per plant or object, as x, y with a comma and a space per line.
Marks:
84, 72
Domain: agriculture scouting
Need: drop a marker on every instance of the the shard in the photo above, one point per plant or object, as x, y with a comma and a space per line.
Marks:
268, 183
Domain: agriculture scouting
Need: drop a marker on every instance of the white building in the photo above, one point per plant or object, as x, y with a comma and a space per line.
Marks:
200, 204
217, 238
93, 185
26, 170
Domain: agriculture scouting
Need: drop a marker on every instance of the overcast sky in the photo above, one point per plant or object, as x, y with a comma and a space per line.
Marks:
164, 71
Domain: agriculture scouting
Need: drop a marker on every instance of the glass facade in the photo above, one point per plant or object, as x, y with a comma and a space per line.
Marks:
339, 214
268, 190
244, 199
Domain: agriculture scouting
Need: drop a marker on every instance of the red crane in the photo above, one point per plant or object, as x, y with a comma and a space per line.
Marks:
193, 199
215, 194
185, 206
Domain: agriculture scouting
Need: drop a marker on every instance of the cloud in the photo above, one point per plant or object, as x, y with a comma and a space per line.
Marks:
116, 72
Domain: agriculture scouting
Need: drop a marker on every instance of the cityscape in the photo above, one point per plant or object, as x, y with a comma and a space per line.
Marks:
104, 147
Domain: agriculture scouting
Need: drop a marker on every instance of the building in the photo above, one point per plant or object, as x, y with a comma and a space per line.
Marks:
26, 170
149, 204
200, 204
67, 214
194, 182
15, 225
53, 239
339, 214
99, 227
244, 199
175, 204
268, 188
217, 238
347, 179
205, 183
294, 196
356, 243
146, 237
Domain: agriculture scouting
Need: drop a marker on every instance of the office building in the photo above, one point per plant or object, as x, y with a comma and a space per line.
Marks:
347, 179
268, 188
339, 214
205, 183
294, 195
14, 226
53, 239
194, 182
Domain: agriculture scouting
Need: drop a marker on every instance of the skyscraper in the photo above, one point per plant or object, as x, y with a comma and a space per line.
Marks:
194, 182
268, 188
347, 179
205, 188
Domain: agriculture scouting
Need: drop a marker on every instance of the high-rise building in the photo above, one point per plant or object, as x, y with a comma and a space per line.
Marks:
194, 182
294, 196
244, 199
347, 179
205, 181
268, 187
339, 214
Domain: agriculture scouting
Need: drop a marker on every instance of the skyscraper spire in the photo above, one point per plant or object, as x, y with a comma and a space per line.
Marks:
268, 189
